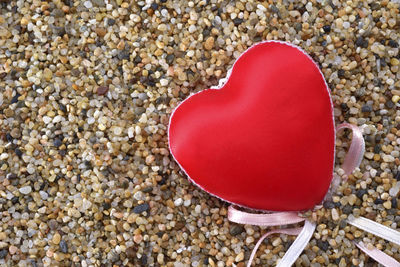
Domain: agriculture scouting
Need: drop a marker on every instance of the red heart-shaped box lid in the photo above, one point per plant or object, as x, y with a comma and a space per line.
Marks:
266, 138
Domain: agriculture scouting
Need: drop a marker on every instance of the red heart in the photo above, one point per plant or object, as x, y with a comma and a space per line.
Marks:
265, 139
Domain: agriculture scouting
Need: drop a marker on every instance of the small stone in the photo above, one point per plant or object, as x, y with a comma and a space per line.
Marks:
58, 13
130, 252
102, 90
15, 133
360, 41
164, 82
24, 21
393, 43
12, 249
366, 108
100, 32
99, 3
25, 190
209, 43
140, 221
57, 142
47, 74
328, 204
141, 208
178, 202
360, 193
138, 238
3, 253
236, 230
160, 258
387, 205
347, 209
335, 214
237, 21
88, 4
110, 22
239, 257
131, 131
117, 130
326, 28
56, 238
394, 190
124, 54
110, 228
63, 246
43, 195
388, 158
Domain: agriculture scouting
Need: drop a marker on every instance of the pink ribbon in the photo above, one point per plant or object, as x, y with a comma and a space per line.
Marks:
356, 151
270, 219
378, 255
352, 160
276, 219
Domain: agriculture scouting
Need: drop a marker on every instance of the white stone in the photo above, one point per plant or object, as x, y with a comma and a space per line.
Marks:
91, 120
164, 82
138, 195
187, 203
43, 195
57, 118
130, 132
86, 204
388, 158
335, 214
192, 28
394, 190
88, 4
197, 209
178, 202
46, 119
117, 130
261, 7
25, 190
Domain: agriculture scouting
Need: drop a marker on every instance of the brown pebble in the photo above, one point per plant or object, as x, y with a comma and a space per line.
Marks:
209, 43
56, 238
371, 215
100, 32
102, 90
130, 252
179, 225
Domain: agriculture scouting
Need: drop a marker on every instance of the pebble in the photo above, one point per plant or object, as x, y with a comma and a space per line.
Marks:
335, 214
387, 205
141, 208
25, 190
178, 202
63, 246
209, 43
56, 238
102, 90
164, 82
236, 230
12, 249
3, 253
88, 4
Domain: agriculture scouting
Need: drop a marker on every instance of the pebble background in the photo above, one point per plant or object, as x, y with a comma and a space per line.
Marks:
86, 91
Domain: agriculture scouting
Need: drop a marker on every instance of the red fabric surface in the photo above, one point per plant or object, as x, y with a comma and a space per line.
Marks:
265, 140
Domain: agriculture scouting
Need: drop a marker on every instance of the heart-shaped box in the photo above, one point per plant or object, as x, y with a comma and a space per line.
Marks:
265, 138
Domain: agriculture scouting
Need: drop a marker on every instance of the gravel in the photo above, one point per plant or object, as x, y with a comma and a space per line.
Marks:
86, 92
